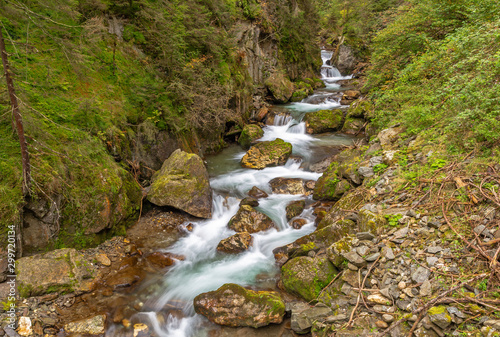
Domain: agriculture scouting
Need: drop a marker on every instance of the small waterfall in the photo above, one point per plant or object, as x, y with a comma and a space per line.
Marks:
282, 119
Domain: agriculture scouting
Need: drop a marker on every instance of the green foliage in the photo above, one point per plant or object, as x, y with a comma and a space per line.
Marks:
436, 66
393, 219
379, 168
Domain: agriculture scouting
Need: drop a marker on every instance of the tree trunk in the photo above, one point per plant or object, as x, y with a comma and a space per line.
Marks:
18, 121
18, 125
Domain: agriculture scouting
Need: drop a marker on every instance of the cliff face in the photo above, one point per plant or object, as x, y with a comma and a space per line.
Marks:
110, 90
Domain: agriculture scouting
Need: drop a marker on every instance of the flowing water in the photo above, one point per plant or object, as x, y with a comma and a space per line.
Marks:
204, 268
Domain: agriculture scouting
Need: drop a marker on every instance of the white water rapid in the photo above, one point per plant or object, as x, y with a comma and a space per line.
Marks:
204, 268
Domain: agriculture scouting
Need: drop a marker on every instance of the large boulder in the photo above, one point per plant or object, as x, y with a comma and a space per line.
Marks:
62, 270
346, 60
323, 121
353, 125
236, 243
233, 305
182, 182
269, 153
248, 219
306, 277
280, 87
249, 135
330, 186
295, 208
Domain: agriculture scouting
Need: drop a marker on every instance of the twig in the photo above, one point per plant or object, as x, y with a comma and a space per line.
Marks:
428, 304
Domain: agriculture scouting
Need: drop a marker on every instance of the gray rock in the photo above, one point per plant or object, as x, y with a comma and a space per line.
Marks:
388, 318
434, 223
434, 249
401, 233
385, 292
388, 253
366, 171
426, 288
439, 316
494, 323
302, 321
482, 230
362, 250
454, 311
365, 236
372, 257
420, 275
376, 160
354, 258
336, 318
431, 260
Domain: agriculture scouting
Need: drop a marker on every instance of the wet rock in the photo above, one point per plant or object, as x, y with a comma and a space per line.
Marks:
306, 277
182, 182
268, 153
294, 209
236, 243
288, 186
141, 330
261, 114
298, 223
280, 87
420, 275
323, 121
249, 201
59, 270
249, 135
161, 259
233, 305
257, 193
103, 259
439, 316
248, 219
91, 326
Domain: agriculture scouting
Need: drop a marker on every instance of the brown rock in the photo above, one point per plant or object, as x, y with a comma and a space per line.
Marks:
294, 209
257, 193
298, 223
160, 259
248, 219
249, 201
267, 153
262, 114
288, 186
236, 243
103, 259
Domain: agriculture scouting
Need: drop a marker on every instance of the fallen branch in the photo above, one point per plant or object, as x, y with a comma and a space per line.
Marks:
429, 304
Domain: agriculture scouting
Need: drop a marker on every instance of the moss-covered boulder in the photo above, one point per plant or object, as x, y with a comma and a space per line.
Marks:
360, 109
248, 219
280, 87
236, 243
306, 277
370, 222
62, 270
302, 90
233, 305
330, 186
269, 153
353, 125
182, 182
249, 135
323, 121
294, 209
349, 161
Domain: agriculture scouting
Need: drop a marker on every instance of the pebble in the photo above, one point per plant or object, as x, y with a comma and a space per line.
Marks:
388, 318
401, 285
336, 318
420, 275
431, 260
425, 288
372, 257
103, 259
385, 292
354, 258
381, 324
434, 249
379, 299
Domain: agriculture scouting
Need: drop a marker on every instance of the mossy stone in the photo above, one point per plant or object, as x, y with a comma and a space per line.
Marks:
280, 87
306, 277
268, 153
250, 133
323, 121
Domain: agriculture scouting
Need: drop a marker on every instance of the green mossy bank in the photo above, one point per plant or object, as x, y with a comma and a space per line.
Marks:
109, 90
